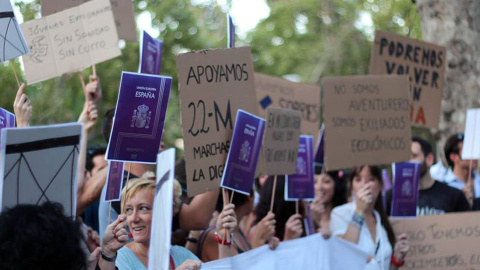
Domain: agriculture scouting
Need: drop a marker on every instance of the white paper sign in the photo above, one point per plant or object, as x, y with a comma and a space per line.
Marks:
312, 252
39, 164
159, 252
471, 142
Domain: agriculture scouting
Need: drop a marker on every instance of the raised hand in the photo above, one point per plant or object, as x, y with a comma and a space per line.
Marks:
226, 221
401, 248
92, 90
293, 227
364, 199
264, 230
22, 108
115, 236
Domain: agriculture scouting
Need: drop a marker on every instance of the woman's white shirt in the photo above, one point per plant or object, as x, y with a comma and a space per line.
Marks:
381, 250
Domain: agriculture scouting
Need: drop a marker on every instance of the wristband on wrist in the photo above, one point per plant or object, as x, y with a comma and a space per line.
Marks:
223, 242
357, 220
108, 259
396, 263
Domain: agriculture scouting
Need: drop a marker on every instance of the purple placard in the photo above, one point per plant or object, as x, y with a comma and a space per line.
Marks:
7, 120
242, 158
114, 181
406, 177
300, 186
230, 32
139, 118
308, 222
150, 55
320, 151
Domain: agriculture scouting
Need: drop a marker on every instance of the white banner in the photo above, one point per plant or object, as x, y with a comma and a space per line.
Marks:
312, 252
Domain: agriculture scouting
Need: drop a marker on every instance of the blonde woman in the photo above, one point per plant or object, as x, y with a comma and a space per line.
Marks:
137, 209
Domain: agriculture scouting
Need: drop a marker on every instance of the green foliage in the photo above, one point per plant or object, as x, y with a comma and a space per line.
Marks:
310, 39
307, 38
398, 16
182, 27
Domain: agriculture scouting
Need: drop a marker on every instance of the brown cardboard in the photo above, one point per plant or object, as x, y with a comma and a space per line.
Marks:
208, 86
450, 241
70, 40
423, 62
366, 120
280, 143
123, 12
289, 95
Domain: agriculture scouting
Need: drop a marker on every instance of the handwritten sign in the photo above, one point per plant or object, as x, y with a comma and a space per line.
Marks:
280, 144
406, 177
450, 241
150, 55
471, 143
366, 120
123, 13
70, 40
214, 85
280, 93
423, 62
12, 41
300, 185
139, 117
239, 173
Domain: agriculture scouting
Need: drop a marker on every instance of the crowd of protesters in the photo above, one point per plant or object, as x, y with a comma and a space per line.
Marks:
348, 204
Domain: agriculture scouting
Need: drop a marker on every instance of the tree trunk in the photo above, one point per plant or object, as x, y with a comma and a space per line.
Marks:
455, 25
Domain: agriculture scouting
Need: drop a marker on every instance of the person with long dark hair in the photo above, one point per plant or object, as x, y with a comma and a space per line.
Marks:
364, 222
330, 192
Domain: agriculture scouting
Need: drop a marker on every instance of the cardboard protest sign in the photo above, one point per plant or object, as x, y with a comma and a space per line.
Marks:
239, 172
7, 120
230, 32
312, 252
300, 185
423, 62
449, 241
366, 120
280, 144
139, 117
12, 41
70, 40
406, 183
471, 142
159, 252
281, 93
123, 13
150, 55
114, 181
214, 85
39, 164
320, 149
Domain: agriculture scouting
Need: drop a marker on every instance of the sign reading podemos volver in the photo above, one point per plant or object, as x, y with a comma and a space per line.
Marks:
423, 62
139, 118
214, 84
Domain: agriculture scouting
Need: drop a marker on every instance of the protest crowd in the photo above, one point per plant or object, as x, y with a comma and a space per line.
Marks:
284, 187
